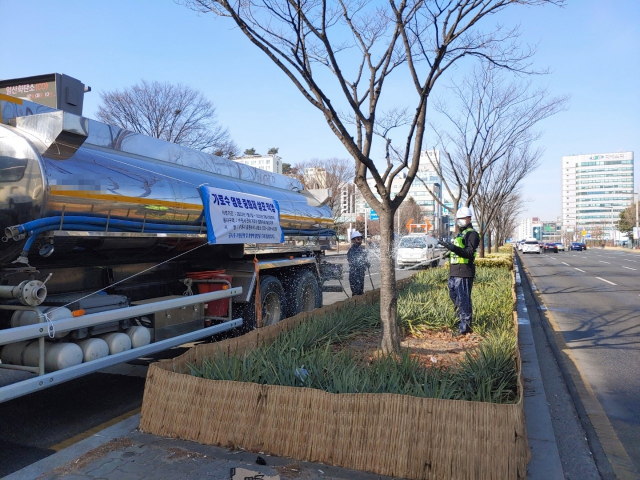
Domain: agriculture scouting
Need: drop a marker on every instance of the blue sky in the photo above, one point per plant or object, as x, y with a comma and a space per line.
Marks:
591, 47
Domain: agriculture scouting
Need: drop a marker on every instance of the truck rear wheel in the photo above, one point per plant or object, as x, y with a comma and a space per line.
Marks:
304, 294
274, 304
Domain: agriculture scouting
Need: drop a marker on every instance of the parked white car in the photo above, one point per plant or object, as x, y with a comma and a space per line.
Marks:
531, 246
417, 249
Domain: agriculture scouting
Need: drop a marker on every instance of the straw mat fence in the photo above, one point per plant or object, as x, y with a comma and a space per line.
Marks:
395, 435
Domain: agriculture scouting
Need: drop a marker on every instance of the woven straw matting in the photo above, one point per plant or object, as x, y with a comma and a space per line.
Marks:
395, 435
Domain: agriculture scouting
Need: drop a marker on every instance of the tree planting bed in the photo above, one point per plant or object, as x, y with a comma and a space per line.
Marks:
315, 387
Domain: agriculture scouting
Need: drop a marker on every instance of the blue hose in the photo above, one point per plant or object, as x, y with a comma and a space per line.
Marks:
84, 220
98, 224
73, 222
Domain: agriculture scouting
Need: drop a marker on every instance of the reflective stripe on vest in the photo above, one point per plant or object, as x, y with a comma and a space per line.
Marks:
458, 242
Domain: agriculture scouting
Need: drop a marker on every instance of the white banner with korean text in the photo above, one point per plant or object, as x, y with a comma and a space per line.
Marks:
236, 217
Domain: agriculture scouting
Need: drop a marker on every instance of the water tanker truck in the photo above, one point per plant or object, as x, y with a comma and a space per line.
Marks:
116, 245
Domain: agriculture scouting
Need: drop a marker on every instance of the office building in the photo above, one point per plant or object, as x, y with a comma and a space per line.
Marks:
595, 189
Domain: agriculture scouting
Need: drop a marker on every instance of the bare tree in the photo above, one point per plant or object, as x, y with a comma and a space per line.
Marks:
567, 238
172, 112
409, 213
486, 148
499, 182
330, 173
505, 220
357, 46
598, 234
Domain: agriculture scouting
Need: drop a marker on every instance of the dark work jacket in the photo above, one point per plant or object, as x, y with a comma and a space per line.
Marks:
357, 258
471, 241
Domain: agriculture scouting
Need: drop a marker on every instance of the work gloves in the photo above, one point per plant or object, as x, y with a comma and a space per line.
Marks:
447, 245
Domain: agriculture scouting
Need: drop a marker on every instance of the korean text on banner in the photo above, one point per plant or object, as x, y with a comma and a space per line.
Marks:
235, 217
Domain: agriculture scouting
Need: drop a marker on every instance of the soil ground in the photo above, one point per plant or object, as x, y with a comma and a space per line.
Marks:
432, 348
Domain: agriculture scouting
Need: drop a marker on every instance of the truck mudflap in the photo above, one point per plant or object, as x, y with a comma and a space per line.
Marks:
41, 330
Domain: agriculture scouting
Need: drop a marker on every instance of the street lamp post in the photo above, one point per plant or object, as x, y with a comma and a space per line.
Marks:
613, 240
635, 199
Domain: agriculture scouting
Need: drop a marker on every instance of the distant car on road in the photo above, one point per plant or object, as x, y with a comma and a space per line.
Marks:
560, 246
584, 245
576, 246
550, 246
531, 246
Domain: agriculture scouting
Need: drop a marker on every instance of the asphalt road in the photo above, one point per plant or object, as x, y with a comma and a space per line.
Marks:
594, 298
36, 426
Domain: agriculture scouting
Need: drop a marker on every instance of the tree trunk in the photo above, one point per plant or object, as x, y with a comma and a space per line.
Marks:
390, 341
481, 246
489, 241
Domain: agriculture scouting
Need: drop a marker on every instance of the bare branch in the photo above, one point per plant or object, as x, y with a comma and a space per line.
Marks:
172, 112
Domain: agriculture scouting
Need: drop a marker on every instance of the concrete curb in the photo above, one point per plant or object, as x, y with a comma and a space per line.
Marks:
545, 459
76, 450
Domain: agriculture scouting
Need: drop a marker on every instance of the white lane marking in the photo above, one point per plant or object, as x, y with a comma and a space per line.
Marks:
629, 260
584, 257
611, 283
579, 270
566, 264
629, 268
602, 261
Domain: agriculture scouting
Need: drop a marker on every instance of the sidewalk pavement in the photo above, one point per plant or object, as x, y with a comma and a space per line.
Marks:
122, 452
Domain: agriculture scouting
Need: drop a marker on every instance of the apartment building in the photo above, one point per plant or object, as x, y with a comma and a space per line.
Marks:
270, 163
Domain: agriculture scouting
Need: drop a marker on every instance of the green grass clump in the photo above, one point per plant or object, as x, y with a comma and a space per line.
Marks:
490, 373
425, 303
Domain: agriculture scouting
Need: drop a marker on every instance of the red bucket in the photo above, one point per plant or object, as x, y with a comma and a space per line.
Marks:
215, 308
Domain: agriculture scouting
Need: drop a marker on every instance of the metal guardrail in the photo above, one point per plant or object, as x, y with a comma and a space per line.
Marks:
29, 332
42, 330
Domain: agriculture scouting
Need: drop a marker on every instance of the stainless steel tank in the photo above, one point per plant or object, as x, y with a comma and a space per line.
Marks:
54, 163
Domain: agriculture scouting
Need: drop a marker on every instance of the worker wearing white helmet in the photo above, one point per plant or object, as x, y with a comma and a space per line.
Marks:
462, 270
358, 263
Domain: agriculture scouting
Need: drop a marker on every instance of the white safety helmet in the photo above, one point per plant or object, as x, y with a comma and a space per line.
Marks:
355, 234
463, 212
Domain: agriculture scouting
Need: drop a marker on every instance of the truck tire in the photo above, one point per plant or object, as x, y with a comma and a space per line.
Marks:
304, 294
274, 304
